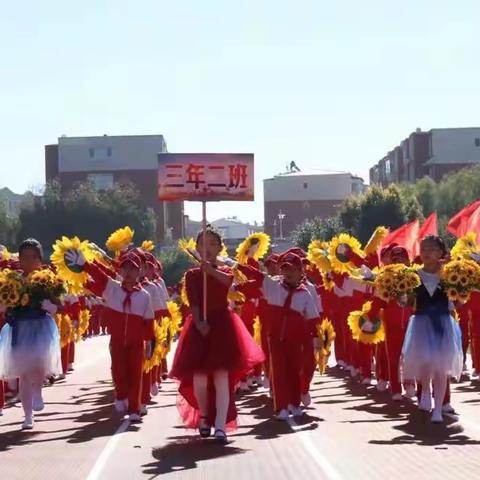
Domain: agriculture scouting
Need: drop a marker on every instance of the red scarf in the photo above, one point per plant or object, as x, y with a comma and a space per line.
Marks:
129, 290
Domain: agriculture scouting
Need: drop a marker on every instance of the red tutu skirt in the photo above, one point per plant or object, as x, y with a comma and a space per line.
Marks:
227, 346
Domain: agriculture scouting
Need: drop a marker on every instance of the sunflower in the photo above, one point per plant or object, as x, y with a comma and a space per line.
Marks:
188, 246
259, 240
376, 240
339, 262
120, 239
326, 334
5, 254
176, 318
317, 254
453, 294
465, 245
66, 330
257, 331
402, 286
235, 297
148, 245
365, 329
72, 275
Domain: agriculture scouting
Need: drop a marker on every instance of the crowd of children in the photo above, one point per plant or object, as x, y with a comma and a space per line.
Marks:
245, 322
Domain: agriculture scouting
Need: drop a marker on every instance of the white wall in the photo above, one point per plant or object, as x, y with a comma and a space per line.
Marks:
333, 186
455, 145
128, 153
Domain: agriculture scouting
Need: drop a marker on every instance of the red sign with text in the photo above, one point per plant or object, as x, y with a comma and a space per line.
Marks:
205, 177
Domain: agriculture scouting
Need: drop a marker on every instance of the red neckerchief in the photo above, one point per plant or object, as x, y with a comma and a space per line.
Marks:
129, 290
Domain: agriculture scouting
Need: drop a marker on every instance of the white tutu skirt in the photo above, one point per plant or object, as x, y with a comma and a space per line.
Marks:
430, 349
30, 345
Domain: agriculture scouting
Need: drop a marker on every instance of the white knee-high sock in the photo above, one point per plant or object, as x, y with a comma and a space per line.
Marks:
26, 393
222, 398
439, 389
426, 398
37, 384
200, 382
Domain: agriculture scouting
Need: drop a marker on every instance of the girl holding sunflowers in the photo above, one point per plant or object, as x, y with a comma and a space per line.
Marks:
29, 341
432, 349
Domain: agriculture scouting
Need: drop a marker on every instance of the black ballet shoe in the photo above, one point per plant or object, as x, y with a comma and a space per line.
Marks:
220, 436
205, 431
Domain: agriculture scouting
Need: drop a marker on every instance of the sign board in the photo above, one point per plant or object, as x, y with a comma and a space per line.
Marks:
205, 177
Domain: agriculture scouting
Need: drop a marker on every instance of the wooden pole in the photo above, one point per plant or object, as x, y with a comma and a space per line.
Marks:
204, 256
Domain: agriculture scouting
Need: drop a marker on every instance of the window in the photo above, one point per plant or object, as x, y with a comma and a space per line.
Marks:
100, 153
305, 186
101, 181
477, 142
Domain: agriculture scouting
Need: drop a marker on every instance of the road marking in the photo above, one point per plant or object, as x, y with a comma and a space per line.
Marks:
328, 469
97, 468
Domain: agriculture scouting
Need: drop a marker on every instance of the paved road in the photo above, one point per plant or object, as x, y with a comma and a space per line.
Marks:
351, 432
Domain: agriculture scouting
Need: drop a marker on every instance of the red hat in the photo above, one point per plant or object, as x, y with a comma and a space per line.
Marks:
290, 259
297, 251
271, 259
386, 250
399, 251
129, 257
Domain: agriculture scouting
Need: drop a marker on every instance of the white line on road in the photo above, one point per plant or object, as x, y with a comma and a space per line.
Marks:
96, 471
328, 469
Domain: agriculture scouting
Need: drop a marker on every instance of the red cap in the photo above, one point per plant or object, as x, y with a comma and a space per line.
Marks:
386, 250
271, 259
129, 257
297, 251
399, 251
290, 259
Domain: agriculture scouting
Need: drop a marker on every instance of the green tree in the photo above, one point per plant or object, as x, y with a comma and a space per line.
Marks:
316, 229
8, 227
174, 263
85, 212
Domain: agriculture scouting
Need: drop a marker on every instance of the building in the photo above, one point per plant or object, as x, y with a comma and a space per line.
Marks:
294, 197
107, 160
434, 153
233, 229
14, 202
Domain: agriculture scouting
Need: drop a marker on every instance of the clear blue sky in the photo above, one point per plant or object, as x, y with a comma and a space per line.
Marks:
331, 85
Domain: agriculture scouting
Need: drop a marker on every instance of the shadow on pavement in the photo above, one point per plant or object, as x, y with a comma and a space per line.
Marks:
184, 453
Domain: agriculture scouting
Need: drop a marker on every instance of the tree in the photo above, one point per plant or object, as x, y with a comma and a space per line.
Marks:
316, 229
8, 227
85, 212
174, 263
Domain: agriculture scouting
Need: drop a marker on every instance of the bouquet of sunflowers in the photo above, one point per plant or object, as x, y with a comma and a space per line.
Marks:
18, 291
459, 278
395, 282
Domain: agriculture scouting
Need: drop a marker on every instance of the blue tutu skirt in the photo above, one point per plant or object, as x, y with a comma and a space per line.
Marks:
30, 344
432, 347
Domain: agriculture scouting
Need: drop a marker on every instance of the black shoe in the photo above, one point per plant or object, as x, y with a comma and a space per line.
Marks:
220, 437
205, 430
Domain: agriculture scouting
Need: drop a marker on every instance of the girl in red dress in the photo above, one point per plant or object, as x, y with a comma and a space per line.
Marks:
213, 353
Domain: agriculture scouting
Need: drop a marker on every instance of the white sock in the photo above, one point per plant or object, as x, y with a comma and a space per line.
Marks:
200, 382
439, 390
222, 398
26, 393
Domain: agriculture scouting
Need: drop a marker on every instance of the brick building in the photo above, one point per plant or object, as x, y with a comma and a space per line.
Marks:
107, 160
293, 197
434, 153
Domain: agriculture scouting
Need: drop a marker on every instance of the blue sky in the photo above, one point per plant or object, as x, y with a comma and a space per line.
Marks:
331, 85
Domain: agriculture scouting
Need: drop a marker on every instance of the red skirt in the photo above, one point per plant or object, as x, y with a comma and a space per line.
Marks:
227, 346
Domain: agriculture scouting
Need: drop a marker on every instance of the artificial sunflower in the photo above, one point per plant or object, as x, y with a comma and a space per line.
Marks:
189, 247
326, 334
365, 329
340, 263
257, 331
376, 240
317, 254
120, 239
175, 319
74, 276
148, 245
254, 246
464, 246
460, 277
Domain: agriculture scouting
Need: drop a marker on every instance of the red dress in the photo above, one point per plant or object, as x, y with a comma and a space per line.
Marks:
228, 346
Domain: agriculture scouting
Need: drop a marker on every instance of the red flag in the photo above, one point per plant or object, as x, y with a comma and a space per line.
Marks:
473, 224
458, 224
429, 227
405, 236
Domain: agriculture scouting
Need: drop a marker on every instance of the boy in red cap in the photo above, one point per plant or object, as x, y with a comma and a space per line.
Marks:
294, 317
130, 323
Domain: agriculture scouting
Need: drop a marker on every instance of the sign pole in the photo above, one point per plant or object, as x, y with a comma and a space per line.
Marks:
204, 256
